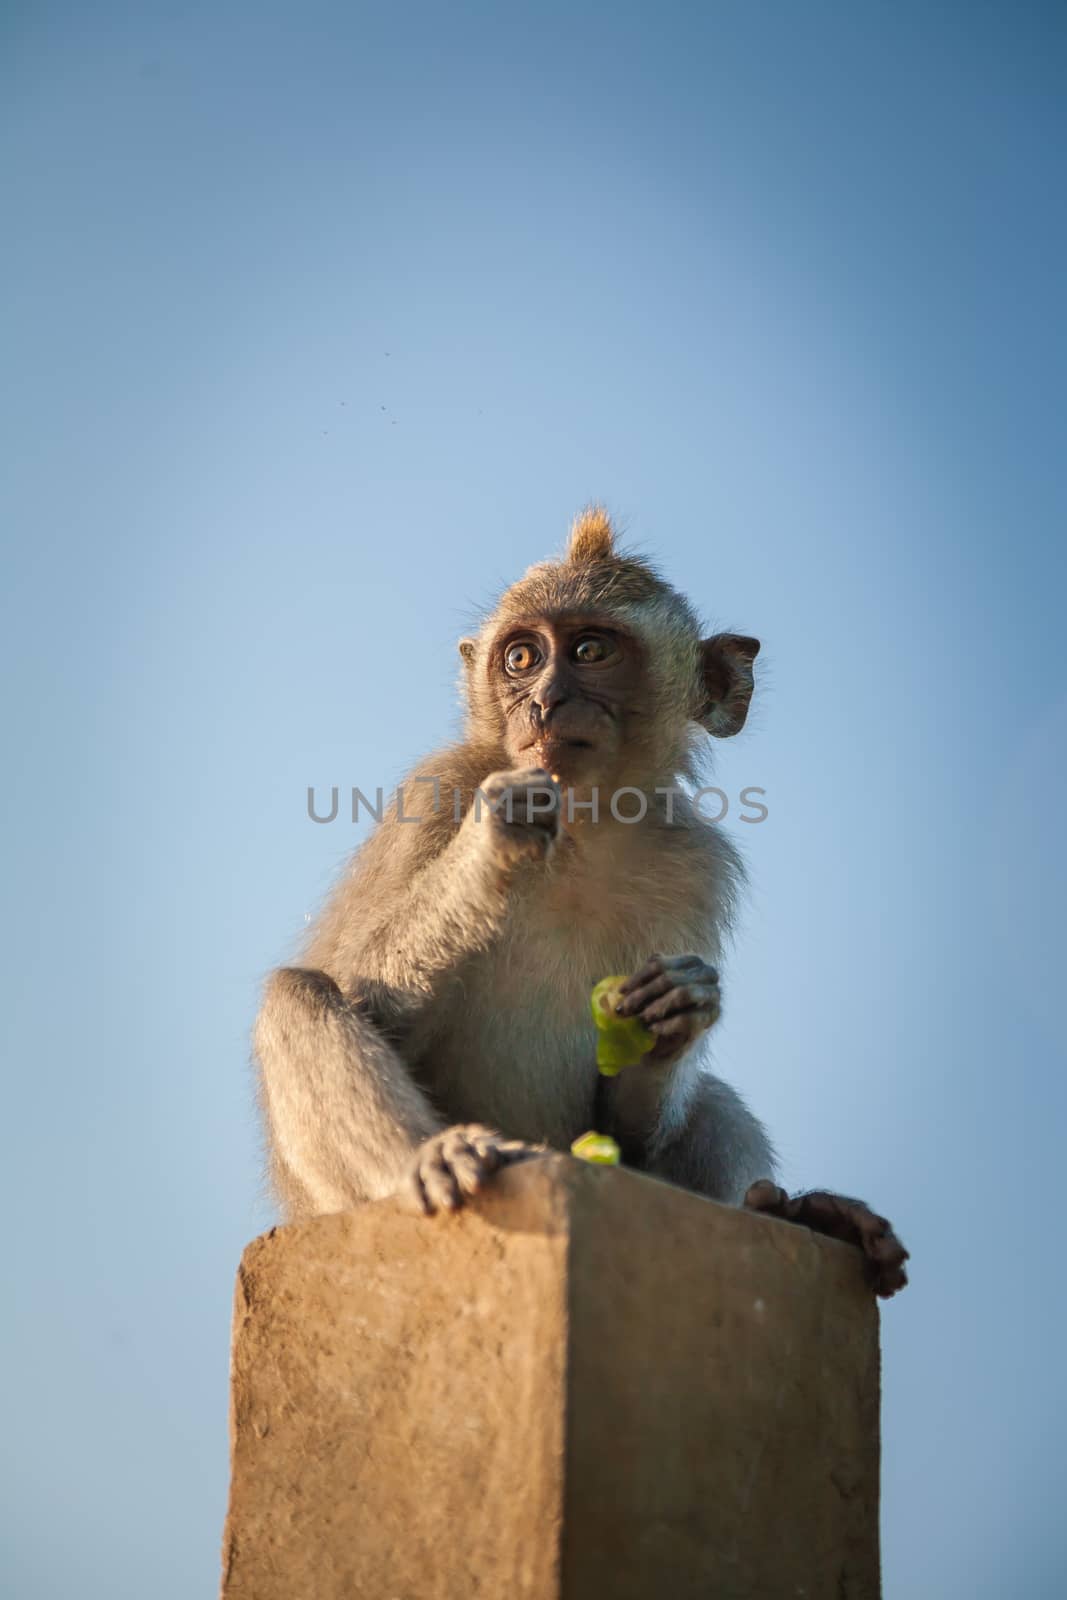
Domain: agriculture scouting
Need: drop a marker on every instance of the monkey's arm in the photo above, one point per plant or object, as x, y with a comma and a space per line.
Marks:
346, 1117
455, 906
426, 895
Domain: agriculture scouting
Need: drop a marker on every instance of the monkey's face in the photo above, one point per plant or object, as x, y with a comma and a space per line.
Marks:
572, 693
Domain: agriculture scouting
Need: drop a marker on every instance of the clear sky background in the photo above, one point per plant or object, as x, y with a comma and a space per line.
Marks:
320, 323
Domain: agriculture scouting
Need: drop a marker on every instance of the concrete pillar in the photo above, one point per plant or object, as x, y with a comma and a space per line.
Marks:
587, 1384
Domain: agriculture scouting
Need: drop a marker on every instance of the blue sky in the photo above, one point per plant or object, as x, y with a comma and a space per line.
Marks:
322, 322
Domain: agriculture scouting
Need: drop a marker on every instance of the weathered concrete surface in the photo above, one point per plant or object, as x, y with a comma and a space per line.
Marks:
588, 1384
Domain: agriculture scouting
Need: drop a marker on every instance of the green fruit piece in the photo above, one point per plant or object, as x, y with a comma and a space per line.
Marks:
599, 1148
621, 1041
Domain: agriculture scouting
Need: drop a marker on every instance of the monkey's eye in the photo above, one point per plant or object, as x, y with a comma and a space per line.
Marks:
521, 657
591, 649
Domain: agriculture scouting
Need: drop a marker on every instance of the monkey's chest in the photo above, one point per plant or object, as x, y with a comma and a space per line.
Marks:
514, 1043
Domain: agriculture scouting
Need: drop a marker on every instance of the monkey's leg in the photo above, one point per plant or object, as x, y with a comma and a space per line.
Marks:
840, 1218
348, 1122
699, 1134
343, 1111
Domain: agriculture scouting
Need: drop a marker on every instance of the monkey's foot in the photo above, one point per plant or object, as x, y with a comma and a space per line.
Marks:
455, 1164
839, 1218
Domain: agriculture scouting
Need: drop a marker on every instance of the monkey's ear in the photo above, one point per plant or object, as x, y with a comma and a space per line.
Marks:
467, 648
727, 672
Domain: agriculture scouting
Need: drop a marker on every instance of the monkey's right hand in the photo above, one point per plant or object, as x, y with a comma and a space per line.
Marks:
519, 815
455, 1164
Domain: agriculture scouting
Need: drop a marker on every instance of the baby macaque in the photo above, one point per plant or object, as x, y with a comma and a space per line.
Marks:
438, 1026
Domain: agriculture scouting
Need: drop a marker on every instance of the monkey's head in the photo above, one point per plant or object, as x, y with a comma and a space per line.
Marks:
595, 668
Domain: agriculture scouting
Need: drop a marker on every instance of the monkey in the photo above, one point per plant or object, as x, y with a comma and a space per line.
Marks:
437, 1027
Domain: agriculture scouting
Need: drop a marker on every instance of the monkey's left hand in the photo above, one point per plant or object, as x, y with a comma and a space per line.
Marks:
676, 997
839, 1218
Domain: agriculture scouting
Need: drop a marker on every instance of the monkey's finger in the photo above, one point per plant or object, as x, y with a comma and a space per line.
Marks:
660, 983
689, 997
885, 1268
844, 1218
512, 1151
471, 1167
507, 1151
672, 1036
637, 999
413, 1193
655, 966
840, 1218
439, 1183
658, 975
540, 775
474, 1155
490, 1146
885, 1253
481, 1139
499, 783
885, 1265
527, 816
887, 1249
419, 1189
537, 783
685, 1025
652, 968
765, 1195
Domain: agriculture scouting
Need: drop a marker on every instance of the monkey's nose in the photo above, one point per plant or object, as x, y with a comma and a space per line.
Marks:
548, 696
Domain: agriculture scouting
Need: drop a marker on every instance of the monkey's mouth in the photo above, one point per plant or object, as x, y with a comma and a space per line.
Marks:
553, 744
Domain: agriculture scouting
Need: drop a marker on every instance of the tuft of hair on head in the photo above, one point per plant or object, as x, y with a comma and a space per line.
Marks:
592, 537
